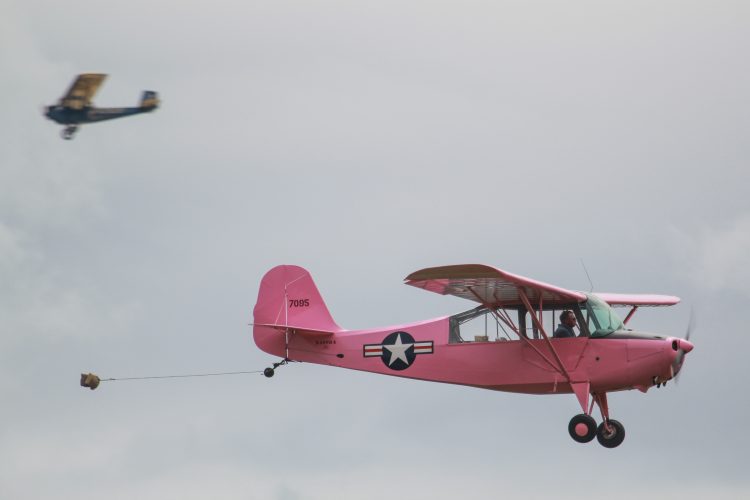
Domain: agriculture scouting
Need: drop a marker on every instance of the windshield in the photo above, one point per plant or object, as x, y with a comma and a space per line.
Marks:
601, 319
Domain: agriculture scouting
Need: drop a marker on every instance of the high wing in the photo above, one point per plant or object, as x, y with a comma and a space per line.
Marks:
490, 286
637, 300
82, 91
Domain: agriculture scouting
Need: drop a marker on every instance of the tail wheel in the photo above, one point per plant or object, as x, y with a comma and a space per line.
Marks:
610, 436
582, 428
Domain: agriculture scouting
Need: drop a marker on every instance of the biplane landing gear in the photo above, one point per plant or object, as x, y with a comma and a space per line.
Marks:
582, 428
68, 132
610, 433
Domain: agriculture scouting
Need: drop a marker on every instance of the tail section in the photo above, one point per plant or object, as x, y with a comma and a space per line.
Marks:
149, 100
288, 298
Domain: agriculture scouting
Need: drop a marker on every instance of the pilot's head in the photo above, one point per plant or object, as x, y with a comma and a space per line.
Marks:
568, 319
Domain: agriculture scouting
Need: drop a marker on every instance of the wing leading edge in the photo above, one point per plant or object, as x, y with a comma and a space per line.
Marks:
489, 285
639, 300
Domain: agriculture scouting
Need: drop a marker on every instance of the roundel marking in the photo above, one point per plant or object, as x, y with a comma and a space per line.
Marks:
398, 350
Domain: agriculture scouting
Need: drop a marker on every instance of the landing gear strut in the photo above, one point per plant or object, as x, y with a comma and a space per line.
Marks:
68, 132
610, 433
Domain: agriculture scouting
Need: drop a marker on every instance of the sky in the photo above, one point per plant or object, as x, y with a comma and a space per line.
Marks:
363, 141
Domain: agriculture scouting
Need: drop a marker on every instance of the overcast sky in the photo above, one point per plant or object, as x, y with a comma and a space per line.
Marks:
363, 141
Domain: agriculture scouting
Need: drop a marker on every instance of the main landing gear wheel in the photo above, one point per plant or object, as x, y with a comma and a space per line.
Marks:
582, 428
68, 132
612, 437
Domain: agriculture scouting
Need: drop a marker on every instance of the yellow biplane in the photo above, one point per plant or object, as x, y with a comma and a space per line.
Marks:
75, 107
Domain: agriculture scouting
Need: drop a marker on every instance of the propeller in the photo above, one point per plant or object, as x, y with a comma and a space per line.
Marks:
684, 346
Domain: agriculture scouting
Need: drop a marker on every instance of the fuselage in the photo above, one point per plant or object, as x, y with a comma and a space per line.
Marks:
624, 360
69, 116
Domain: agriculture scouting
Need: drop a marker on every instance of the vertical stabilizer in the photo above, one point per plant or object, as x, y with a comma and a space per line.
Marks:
288, 297
149, 100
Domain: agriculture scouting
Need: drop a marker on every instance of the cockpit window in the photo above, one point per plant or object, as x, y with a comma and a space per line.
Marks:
601, 318
513, 322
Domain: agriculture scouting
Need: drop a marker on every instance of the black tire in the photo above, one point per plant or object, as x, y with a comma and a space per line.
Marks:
68, 132
590, 424
268, 372
611, 439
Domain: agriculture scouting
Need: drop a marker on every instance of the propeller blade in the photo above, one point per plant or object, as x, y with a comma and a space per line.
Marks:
684, 348
691, 324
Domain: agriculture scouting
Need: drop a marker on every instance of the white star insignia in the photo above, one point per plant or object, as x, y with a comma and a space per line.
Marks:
398, 350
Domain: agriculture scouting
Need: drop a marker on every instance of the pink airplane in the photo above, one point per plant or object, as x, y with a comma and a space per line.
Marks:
503, 344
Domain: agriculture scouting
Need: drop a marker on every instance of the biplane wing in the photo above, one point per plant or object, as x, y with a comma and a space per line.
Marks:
637, 300
490, 286
82, 90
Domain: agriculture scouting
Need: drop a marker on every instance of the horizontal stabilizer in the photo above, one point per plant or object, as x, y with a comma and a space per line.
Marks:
307, 332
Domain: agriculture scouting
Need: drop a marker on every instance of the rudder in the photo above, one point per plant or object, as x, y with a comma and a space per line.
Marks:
149, 99
289, 298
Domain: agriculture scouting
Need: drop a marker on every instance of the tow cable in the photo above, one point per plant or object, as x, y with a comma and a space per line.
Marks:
92, 380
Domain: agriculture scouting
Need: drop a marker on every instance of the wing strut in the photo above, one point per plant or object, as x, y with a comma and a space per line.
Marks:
630, 315
525, 339
522, 336
525, 300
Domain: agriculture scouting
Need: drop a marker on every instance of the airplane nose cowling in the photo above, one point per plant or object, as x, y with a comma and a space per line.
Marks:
686, 345
679, 348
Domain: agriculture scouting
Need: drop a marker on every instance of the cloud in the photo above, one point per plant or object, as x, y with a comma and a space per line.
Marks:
718, 255
362, 143
12, 251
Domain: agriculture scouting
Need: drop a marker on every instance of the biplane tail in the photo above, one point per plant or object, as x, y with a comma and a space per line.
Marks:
289, 299
149, 100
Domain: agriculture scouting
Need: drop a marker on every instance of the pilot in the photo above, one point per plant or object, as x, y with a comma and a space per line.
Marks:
567, 322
